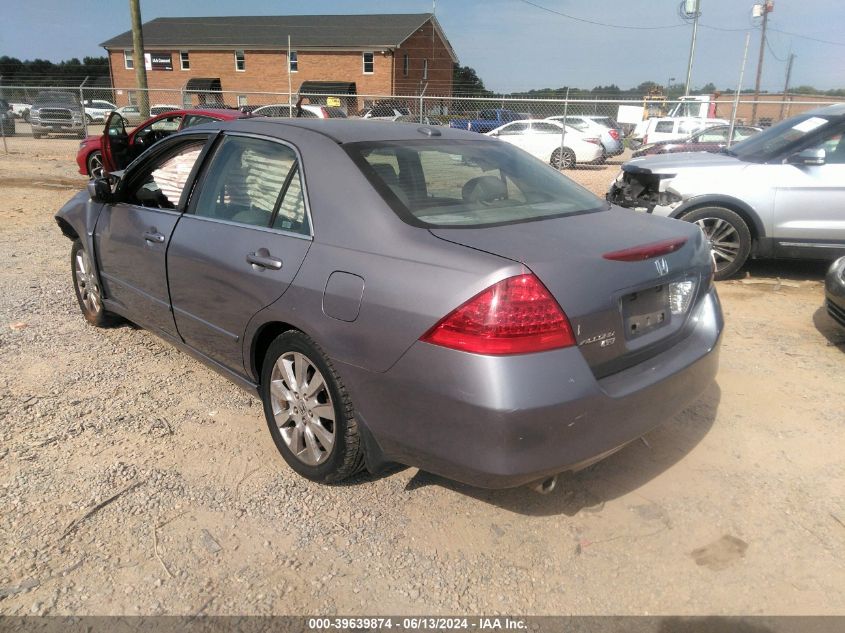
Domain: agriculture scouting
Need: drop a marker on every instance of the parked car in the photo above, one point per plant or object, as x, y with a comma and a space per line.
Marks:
7, 118
130, 113
479, 315
21, 110
834, 285
670, 128
56, 112
97, 110
385, 110
542, 139
777, 194
124, 146
604, 127
711, 139
161, 108
487, 120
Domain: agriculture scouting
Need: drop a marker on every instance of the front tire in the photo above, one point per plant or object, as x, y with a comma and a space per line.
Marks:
729, 237
567, 162
308, 411
88, 292
94, 164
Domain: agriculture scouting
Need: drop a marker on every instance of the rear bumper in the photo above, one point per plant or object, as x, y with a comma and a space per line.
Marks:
500, 422
834, 290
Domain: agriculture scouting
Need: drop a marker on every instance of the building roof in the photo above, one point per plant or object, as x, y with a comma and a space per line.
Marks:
336, 32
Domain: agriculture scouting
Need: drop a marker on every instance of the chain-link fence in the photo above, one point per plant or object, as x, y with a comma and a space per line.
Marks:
46, 119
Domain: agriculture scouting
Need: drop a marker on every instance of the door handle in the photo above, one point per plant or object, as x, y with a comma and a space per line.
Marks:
153, 236
262, 259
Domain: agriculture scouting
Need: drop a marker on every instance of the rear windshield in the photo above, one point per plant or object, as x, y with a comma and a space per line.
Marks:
468, 183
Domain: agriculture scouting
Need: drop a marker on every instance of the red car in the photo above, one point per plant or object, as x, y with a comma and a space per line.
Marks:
116, 148
711, 139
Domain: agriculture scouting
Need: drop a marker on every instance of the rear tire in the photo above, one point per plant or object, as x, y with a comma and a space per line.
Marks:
568, 161
36, 136
729, 237
308, 411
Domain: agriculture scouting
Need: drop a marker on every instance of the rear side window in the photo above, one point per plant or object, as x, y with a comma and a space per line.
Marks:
664, 126
254, 182
468, 183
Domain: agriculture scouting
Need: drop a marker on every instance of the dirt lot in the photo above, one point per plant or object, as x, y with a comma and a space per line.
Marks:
736, 506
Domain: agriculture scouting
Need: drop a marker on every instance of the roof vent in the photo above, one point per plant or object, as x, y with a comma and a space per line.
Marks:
428, 131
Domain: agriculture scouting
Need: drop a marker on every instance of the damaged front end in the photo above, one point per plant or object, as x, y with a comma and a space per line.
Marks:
640, 189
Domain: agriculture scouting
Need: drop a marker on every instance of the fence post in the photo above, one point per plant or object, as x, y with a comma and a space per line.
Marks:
3, 127
738, 90
82, 103
559, 165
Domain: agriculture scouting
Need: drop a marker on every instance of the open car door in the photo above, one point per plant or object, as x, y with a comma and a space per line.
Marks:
115, 143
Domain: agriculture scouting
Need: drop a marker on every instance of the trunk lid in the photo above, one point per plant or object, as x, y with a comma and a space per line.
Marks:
618, 309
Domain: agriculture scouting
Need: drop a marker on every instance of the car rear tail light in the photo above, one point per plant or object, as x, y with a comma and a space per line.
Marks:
614, 134
680, 296
517, 315
646, 251
645, 139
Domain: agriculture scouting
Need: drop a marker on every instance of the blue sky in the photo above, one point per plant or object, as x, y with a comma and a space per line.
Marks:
512, 45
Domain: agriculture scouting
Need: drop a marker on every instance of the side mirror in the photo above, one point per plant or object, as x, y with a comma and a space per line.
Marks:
100, 190
808, 157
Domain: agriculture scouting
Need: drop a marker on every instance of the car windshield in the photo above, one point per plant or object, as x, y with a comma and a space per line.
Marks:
778, 139
55, 97
468, 183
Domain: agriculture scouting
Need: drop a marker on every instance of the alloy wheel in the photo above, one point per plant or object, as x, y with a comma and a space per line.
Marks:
95, 165
86, 282
302, 408
723, 238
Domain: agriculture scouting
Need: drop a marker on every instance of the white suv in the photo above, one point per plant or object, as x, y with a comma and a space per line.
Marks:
777, 194
98, 109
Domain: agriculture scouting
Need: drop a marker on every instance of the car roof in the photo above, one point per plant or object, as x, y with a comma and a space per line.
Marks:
837, 109
353, 130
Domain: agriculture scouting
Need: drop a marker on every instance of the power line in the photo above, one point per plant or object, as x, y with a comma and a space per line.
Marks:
612, 26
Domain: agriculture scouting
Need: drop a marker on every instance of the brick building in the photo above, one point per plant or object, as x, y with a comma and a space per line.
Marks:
198, 58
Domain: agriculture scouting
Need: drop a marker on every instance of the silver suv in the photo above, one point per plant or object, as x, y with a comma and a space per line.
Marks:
779, 194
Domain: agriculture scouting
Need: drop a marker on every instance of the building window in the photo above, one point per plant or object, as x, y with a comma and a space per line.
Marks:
406, 63
184, 60
241, 101
240, 61
425, 69
369, 63
294, 62
127, 60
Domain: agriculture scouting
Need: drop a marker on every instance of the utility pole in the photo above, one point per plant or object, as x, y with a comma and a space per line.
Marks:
766, 7
692, 8
138, 59
786, 85
738, 89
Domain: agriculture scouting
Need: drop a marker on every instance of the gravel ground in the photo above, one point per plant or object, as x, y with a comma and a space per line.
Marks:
133, 480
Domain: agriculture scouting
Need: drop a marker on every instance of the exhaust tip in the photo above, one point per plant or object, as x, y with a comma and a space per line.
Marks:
545, 486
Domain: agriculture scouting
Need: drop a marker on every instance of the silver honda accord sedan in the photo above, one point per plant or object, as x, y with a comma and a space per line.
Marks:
403, 293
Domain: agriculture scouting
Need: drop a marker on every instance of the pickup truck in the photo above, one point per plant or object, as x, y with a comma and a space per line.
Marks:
55, 112
487, 120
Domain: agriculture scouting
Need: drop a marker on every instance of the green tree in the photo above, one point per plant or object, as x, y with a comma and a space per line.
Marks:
465, 81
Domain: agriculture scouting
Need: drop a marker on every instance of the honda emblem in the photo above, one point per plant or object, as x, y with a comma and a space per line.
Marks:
662, 266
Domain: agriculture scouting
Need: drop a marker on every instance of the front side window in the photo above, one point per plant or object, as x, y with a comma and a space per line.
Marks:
128, 62
718, 135
294, 62
468, 183
254, 182
160, 184
240, 61
369, 63
184, 60
157, 130
545, 128
514, 128
781, 139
